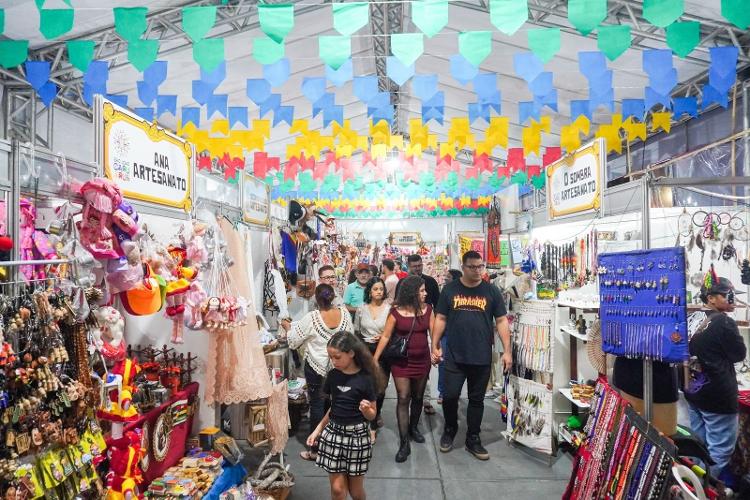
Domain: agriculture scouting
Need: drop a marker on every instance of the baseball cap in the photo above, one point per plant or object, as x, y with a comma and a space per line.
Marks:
362, 267
721, 285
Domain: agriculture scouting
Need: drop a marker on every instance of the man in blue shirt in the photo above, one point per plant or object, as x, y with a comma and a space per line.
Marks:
354, 296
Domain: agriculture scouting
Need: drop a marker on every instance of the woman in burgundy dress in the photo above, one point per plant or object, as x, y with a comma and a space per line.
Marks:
409, 314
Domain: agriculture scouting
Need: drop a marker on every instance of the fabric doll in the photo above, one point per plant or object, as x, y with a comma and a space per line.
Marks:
34, 243
103, 211
109, 334
124, 474
212, 314
177, 291
193, 301
197, 253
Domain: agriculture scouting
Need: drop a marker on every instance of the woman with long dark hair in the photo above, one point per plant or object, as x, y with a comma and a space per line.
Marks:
342, 436
313, 332
369, 324
410, 317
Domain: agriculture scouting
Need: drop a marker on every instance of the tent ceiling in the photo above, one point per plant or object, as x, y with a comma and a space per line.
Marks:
238, 24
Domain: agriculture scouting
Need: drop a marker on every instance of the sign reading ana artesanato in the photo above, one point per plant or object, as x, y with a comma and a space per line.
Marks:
147, 162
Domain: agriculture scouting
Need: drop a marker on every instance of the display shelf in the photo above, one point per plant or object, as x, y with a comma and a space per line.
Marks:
574, 333
568, 393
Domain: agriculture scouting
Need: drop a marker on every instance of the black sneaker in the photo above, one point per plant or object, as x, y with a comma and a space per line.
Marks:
474, 446
446, 440
415, 435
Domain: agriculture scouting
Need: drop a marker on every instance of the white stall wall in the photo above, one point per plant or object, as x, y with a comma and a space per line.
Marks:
433, 230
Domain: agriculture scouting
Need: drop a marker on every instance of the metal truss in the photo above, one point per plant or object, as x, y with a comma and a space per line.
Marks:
22, 113
554, 14
385, 18
164, 25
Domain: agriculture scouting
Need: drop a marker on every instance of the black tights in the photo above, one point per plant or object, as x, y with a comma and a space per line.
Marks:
410, 396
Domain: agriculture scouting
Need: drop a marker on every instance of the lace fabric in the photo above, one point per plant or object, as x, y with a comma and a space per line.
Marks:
236, 369
277, 423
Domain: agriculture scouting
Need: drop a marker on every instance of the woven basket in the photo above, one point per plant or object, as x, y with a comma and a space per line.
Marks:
277, 494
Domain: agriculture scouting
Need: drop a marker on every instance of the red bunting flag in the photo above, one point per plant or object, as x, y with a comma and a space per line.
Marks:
516, 162
483, 162
472, 172
260, 164
503, 171
551, 155
321, 170
533, 170
204, 162
290, 171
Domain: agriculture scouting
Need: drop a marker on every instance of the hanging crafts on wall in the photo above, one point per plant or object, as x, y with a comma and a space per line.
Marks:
530, 414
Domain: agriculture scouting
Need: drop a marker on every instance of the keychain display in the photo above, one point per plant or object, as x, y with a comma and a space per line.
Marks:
530, 414
643, 304
532, 339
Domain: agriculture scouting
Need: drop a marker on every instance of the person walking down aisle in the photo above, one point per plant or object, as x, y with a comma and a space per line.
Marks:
416, 266
468, 310
369, 325
715, 345
451, 275
354, 296
313, 332
391, 278
342, 436
412, 318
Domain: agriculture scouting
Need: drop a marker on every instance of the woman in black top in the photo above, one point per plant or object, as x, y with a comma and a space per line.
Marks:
711, 391
343, 437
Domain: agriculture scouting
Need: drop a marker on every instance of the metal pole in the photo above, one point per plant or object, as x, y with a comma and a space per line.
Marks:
746, 162
648, 369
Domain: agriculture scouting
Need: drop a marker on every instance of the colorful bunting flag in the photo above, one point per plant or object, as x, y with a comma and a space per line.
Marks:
130, 22
55, 22
544, 42
350, 17
614, 40
683, 37
508, 15
276, 20
430, 16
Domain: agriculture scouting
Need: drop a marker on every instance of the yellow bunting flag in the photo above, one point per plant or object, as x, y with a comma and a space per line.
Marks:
531, 138
379, 151
544, 124
250, 139
447, 149
396, 141
343, 150
634, 130
460, 133
414, 149
187, 130
497, 133
380, 132
661, 120
220, 127
483, 148
300, 126
583, 124
569, 138
262, 127
611, 134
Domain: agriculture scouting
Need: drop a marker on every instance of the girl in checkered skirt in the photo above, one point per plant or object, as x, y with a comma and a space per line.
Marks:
343, 436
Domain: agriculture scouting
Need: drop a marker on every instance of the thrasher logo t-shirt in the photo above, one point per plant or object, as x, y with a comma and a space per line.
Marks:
471, 313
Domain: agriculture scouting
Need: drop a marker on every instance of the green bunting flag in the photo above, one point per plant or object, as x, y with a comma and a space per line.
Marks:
209, 53
266, 51
350, 17
55, 22
662, 13
13, 52
2, 20
508, 15
519, 178
586, 15
335, 50
407, 47
198, 21
683, 37
475, 46
613, 41
142, 53
736, 12
130, 22
276, 20
544, 42
538, 181
80, 53
430, 16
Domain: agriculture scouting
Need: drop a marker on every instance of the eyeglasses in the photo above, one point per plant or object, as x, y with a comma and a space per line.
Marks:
478, 267
328, 277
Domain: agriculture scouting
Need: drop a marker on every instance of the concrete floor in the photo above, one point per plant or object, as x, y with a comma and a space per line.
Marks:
428, 474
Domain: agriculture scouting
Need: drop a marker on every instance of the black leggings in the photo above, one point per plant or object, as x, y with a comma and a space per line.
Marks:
410, 397
387, 372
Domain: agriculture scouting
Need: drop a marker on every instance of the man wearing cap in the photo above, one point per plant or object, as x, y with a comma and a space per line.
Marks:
354, 296
715, 345
711, 391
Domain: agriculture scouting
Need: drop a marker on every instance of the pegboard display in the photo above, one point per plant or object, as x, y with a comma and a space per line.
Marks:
643, 304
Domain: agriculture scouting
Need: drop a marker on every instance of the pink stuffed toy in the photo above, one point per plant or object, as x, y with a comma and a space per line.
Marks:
102, 212
193, 301
34, 242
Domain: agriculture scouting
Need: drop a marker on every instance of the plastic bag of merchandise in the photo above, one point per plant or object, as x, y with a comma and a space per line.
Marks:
243, 492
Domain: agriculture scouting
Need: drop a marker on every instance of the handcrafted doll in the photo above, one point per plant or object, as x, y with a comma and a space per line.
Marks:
193, 301
34, 243
108, 336
102, 212
197, 253
124, 474
121, 407
177, 291
212, 314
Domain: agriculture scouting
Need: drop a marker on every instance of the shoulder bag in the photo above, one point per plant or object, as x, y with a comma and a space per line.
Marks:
398, 346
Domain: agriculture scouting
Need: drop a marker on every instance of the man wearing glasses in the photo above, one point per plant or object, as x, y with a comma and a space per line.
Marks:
327, 275
470, 311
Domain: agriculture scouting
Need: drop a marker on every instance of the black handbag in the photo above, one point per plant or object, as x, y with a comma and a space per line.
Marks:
398, 346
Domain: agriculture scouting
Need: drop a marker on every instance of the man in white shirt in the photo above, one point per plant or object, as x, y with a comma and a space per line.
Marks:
388, 272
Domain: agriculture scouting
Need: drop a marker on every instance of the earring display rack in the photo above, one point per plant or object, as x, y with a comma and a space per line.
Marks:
643, 304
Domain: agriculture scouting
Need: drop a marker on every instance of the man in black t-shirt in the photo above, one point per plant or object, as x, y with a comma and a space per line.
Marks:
470, 310
715, 346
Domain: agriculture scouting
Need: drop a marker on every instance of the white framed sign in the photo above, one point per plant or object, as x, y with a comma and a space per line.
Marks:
405, 238
256, 200
147, 162
575, 182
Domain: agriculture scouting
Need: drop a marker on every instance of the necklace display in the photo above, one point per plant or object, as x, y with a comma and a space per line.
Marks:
532, 341
568, 265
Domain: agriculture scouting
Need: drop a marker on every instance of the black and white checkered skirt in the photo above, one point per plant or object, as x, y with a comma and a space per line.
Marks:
345, 449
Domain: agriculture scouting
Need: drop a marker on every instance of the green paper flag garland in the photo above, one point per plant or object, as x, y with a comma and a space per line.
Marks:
80, 53
266, 51
349, 18
538, 181
198, 21
55, 22
519, 178
407, 47
586, 15
276, 20
335, 50
475, 46
430, 16
662, 13
142, 53
613, 41
544, 42
508, 15
208, 53
2, 20
13, 52
683, 37
736, 12
130, 22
